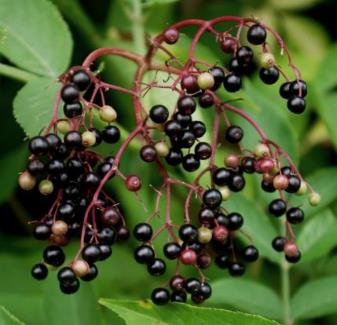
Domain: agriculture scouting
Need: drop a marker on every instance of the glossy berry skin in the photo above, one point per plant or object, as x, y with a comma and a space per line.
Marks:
42, 231
186, 105
248, 165
228, 44
293, 259
157, 267
191, 162
148, 153
143, 232
159, 114
234, 134
183, 120
111, 134
285, 91
160, 296
71, 287
172, 250
277, 207
203, 150
177, 282
206, 100
237, 183
188, 256
218, 75
186, 140
192, 285
198, 128
92, 274
174, 157
172, 128
73, 139
221, 176
296, 104
294, 184
72, 109
144, 254
66, 275
91, 180
66, 211
53, 141
295, 215
278, 243
212, 198
91, 253
298, 88
268, 186
235, 221
81, 79
54, 255
38, 145
188, 233
232, 83
171, 36
256, 34
70, 93
39, 271
244, 55
236, 269
36, 167
222, 261
105, 251
250, 253
205, 290
107, 236
178, 296
103, 169
55, 166
269, 75
190, 84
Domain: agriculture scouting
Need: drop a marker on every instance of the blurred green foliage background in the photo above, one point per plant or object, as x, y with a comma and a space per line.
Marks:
309, 29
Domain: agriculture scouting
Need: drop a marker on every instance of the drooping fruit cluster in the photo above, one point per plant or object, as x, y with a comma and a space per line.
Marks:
67, 166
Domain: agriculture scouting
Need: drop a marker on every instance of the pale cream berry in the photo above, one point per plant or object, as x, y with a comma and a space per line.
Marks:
107, 114
88, 138
314, 198
27, 181
205, 80
162, 148
59, 228
46, 187
80, 268
232, 161
267, 60
63, 126
303, 188
204, 235
280, 182
261, 150
225, 192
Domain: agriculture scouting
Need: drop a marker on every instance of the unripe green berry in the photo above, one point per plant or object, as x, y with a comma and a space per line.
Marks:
205, 80
314, 198
267, 60
88, 138
303, 188
63, 126
27, 181
162, 148
261, 150
225, 192
204, 235
46, 187
107, 114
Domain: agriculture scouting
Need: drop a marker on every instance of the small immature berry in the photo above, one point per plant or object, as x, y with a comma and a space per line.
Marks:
234, 134
80, 268
190, 84
220, 233
59, 228
232, 161
280, 182
160, 296
206, 80
171, 36
228, 44
133, 183
303, 188
107, 114
261, 150
314, 198
88, 138
267, 60
256, 34
39, 271
159, 114
63, 126
204, 235
225, 192
143, 232
162, 149
290, 249
27, 181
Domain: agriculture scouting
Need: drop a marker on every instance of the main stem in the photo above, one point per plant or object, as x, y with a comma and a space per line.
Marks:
15, 73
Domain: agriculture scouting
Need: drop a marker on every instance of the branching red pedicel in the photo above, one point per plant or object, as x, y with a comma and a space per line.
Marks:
66, 166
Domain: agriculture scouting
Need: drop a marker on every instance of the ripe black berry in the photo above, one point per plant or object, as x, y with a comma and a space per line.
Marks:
178, 296
188, 233
268, 186
174, 157
72, 109
183, 120
92, 274
206, 100
198, 128
107, 236
111, 134
42, 231
159, 114
148, 153
177, 282
105, 251
205, 290
70, 93
144, 254
53, 141
248, 165
73, 139
218, 75
38, 145
206, 216
244, 55
54, 255
296, 104
234, 134
250, 254
294, 184
172, 128
91, 180
66, 275
81, 79
293, 258
285, 90
235, 221
278, 243
157, 267
232, 83
160, 296
212, 198
143, 232
186, 105
222, 261
172, 250
203, 150
91, 253
295, 215
236, 269
221, 176
70, 287
298, 88
35, 167
39, 271
55, 166
103, 169
256, 34
192, 285
269, 75
191, 162
277, 207
237, 183
66, 211
186, 140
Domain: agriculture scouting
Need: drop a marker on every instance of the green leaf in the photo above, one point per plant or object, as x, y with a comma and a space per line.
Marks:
318, 236
150, 3
6, 318
293, 5
257, 224
144, 312
315, 299
36, 37
321, 181
246, 295
33, 105
10, 165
